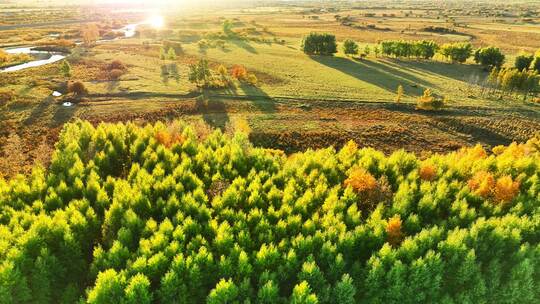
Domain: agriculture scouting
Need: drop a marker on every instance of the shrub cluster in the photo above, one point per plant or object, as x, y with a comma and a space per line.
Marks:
203, 77
241, 74
429, 102
113, 70
7, 59
77, 88
160, 214
6, 96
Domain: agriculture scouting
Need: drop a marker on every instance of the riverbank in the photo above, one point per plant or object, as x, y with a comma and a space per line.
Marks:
49, 55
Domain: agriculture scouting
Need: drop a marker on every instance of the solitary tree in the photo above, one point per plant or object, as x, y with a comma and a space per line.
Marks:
90, 34
138, 290
162, 54
319, 44
223, 74
399, 94
199, 73
224, 292
171, 54
109, 288
239, 72
535, 65
376, 50
77, 88
367, 50
350, 47
429, 102
227, 27
394, 234
268, 293
65, 68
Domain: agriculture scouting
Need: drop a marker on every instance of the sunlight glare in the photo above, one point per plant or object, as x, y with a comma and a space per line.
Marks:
156, 22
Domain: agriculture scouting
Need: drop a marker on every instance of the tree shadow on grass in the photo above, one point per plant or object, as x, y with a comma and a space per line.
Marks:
27, 88
259, 98
169, 71
230, 90
456, 71
213, 112
174, 73
244, 45
38, 111
401, 65
112, 85
225, 49
62, 115
409, 78
375, 73
164, 73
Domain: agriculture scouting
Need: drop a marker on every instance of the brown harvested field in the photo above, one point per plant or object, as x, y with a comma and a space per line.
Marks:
290, 125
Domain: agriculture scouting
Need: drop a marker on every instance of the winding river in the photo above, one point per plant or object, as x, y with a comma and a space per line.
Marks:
42, 58
45, 57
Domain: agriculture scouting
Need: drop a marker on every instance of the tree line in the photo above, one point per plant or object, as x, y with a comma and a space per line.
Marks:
513, 81
400, 48
459, 52
176, 214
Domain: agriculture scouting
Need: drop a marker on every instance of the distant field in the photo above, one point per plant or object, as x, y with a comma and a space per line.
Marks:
285, 71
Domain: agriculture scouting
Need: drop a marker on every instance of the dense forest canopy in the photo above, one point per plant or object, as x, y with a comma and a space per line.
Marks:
167, 214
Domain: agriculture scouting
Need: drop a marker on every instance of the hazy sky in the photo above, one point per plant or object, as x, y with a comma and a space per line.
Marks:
163, 1
168, 2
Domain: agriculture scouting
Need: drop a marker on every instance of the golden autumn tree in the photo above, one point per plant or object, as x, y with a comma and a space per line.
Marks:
90, 34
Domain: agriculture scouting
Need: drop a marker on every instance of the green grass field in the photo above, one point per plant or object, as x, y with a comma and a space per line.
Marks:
284, 71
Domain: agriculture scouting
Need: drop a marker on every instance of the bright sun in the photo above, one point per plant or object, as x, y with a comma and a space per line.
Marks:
156, 21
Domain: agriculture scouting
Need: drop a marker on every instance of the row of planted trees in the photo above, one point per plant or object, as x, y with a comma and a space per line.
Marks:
171, 214
400, 48
460, 52
522, 78
492, 57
